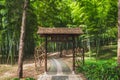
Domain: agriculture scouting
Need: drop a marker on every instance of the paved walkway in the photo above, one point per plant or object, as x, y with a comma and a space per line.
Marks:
59, 71
58, 67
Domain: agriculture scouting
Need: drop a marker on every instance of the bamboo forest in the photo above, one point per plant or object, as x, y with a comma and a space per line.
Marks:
59, 39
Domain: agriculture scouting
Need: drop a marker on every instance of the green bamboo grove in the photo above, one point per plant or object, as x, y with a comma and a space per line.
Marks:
97, 18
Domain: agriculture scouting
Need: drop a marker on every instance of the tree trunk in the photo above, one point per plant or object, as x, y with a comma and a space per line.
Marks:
118, 50
21, 44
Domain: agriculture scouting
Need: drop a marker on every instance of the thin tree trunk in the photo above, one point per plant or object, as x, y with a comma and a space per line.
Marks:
97, 47
21, 44
118, 53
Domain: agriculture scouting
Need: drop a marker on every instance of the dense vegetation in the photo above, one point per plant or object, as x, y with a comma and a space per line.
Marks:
104, 67
100, 70
97, 18
24, 79
11, 15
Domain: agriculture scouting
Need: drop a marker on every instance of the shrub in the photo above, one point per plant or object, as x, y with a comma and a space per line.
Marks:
100, 70
29, 79
15, 79
24, 79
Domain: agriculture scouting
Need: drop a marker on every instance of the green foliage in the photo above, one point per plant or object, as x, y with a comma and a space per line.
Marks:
100, 70
98, 20
52, 13
10, 23
29, 79
15, 79
24, 79
10, 29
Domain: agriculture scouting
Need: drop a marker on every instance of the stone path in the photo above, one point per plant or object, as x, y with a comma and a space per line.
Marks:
58, 67
60, 77
59, 71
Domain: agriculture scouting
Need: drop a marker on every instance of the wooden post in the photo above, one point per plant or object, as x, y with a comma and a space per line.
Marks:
46, 54
73, 38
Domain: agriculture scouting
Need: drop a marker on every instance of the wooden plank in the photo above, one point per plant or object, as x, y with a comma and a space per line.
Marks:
73, 53
46, 54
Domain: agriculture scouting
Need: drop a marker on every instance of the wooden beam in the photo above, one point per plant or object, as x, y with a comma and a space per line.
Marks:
73, 38
46, 54
60, 41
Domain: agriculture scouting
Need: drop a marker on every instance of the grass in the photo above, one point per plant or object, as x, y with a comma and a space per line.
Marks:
100, 70
105, 53
108, 52
104, 67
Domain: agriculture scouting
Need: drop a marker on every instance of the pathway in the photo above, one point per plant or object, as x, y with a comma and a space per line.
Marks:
59, 71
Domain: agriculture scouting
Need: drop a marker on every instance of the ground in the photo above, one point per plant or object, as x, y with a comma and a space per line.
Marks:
8, 72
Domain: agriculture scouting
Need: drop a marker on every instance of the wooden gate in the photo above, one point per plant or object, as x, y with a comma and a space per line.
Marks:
39, 56
79, 57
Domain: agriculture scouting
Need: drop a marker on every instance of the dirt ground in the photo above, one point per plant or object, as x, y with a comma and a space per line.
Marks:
8, 72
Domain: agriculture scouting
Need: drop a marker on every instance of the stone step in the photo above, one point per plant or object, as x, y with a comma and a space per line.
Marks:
59, 77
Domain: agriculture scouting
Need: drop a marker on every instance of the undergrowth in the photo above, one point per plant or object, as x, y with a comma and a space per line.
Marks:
100, 70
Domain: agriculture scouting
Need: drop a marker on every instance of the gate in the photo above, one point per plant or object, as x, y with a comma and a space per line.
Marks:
39, 56
79, 57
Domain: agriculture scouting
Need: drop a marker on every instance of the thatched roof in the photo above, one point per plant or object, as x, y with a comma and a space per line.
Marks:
57, 31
